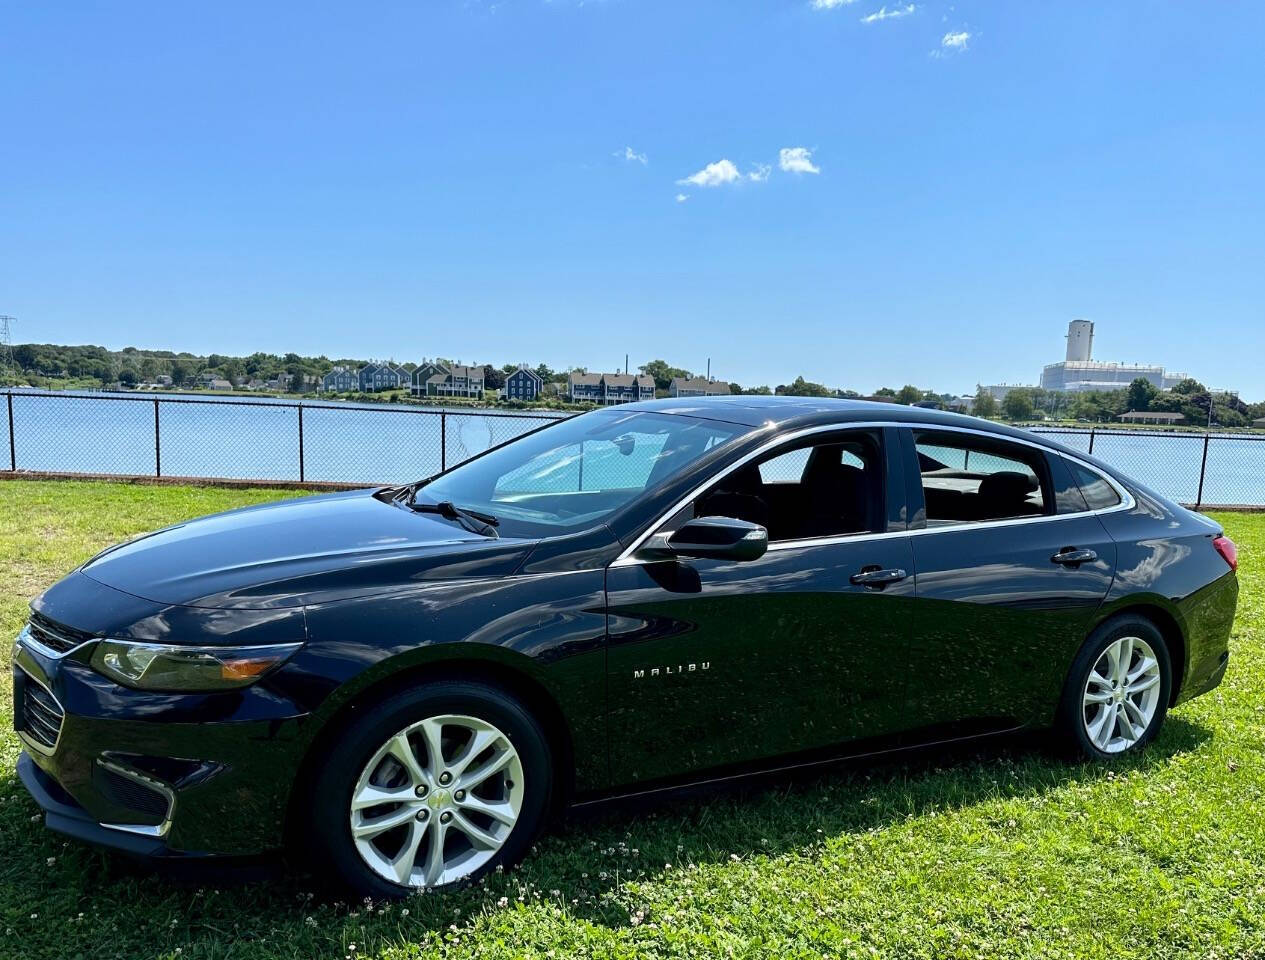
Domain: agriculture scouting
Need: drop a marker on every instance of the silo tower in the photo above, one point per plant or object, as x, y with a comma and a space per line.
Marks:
1080, 341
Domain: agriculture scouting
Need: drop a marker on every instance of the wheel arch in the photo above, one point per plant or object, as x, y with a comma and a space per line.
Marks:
1169, 626
511, 679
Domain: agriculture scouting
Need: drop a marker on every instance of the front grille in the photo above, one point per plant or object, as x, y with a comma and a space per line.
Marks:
40, 714
128, 791
53, 636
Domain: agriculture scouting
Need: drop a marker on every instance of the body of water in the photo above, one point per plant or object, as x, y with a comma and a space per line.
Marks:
256, 439
259, 438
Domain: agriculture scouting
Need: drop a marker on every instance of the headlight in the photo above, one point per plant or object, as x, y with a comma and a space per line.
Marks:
161, 666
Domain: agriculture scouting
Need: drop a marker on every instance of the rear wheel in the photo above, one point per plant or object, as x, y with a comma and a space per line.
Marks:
435, 787
1117, 692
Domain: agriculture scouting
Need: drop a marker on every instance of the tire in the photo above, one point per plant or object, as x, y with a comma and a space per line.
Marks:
492, 825
1095, 720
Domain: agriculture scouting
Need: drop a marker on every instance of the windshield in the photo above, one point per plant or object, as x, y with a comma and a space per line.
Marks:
578, 472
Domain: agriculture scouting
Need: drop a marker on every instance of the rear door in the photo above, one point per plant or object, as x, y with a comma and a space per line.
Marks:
719, 663
1011, 568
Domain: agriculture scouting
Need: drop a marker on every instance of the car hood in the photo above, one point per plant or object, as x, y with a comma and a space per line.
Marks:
301, 551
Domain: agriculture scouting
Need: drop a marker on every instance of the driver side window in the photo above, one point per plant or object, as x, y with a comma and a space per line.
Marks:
826, 486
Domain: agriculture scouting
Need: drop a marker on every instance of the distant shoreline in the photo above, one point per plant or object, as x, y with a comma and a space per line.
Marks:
395, 399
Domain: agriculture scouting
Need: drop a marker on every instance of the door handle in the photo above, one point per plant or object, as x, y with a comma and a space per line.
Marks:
875, 577
1071, 556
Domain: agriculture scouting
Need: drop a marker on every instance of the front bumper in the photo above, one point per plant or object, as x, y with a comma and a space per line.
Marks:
154, 775
64, 815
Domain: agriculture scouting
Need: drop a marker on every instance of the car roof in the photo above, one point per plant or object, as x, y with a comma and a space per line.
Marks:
759, 410
786, 413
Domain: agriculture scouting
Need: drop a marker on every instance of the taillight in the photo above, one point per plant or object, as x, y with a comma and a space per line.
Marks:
1229, 552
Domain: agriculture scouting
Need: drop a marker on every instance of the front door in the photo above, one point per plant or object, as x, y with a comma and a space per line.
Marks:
719, 663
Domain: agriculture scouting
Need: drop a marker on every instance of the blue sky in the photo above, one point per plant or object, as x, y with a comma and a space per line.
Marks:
928, 196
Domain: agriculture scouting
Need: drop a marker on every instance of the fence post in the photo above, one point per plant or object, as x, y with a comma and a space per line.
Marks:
443, 440
1203, 469
301, 477
158, 457
13, 455
1091, 441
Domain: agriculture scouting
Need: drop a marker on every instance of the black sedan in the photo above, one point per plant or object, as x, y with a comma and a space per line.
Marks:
404, 683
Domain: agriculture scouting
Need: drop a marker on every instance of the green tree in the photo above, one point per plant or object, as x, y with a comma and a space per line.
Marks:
26, 356
803, 388
884, 392
1189, 387
1017, 404
908, 395
663, 373
985, 403
128, 377
1141, 392
296, 373
493, 379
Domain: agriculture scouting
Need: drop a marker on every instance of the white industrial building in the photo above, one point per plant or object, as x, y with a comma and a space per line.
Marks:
1080, 372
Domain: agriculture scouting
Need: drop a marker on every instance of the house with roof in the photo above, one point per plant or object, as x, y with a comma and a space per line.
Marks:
422, 374
1151, 416
453, 381
627, 387
381, 376
584, 387
341, 380
608, 389
698, 387
210, 381
523, 384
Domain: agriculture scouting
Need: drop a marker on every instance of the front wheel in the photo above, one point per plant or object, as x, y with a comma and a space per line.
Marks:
1117, 692
434, 787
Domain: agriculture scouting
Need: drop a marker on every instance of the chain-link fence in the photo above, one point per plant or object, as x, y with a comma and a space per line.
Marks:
225, 438
240, 439
1200, 469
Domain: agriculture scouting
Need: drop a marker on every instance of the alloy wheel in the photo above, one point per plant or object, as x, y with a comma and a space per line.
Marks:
1121, 694
437, 801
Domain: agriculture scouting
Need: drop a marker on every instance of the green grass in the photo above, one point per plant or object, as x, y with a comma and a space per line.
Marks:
1005, 852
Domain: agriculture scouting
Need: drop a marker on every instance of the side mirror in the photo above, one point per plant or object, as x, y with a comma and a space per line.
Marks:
713, 538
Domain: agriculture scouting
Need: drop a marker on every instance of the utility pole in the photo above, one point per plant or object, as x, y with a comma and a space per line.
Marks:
6, 343
709, 369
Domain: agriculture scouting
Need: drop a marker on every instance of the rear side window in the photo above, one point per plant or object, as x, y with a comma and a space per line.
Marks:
1098, 493
972, 480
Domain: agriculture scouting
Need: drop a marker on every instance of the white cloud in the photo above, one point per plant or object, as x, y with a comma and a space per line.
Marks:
830, 4
760, 172
632, 156
955, 41
797, 160
884, 14
682, 197
713, 175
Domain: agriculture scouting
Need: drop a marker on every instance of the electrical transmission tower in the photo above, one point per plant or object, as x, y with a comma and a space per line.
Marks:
6, 343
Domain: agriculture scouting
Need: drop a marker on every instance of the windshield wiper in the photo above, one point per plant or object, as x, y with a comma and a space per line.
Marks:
405, 491
483, 524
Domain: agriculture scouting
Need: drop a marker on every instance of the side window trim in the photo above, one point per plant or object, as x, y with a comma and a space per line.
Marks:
915, 517
1067, 492
1072, 464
